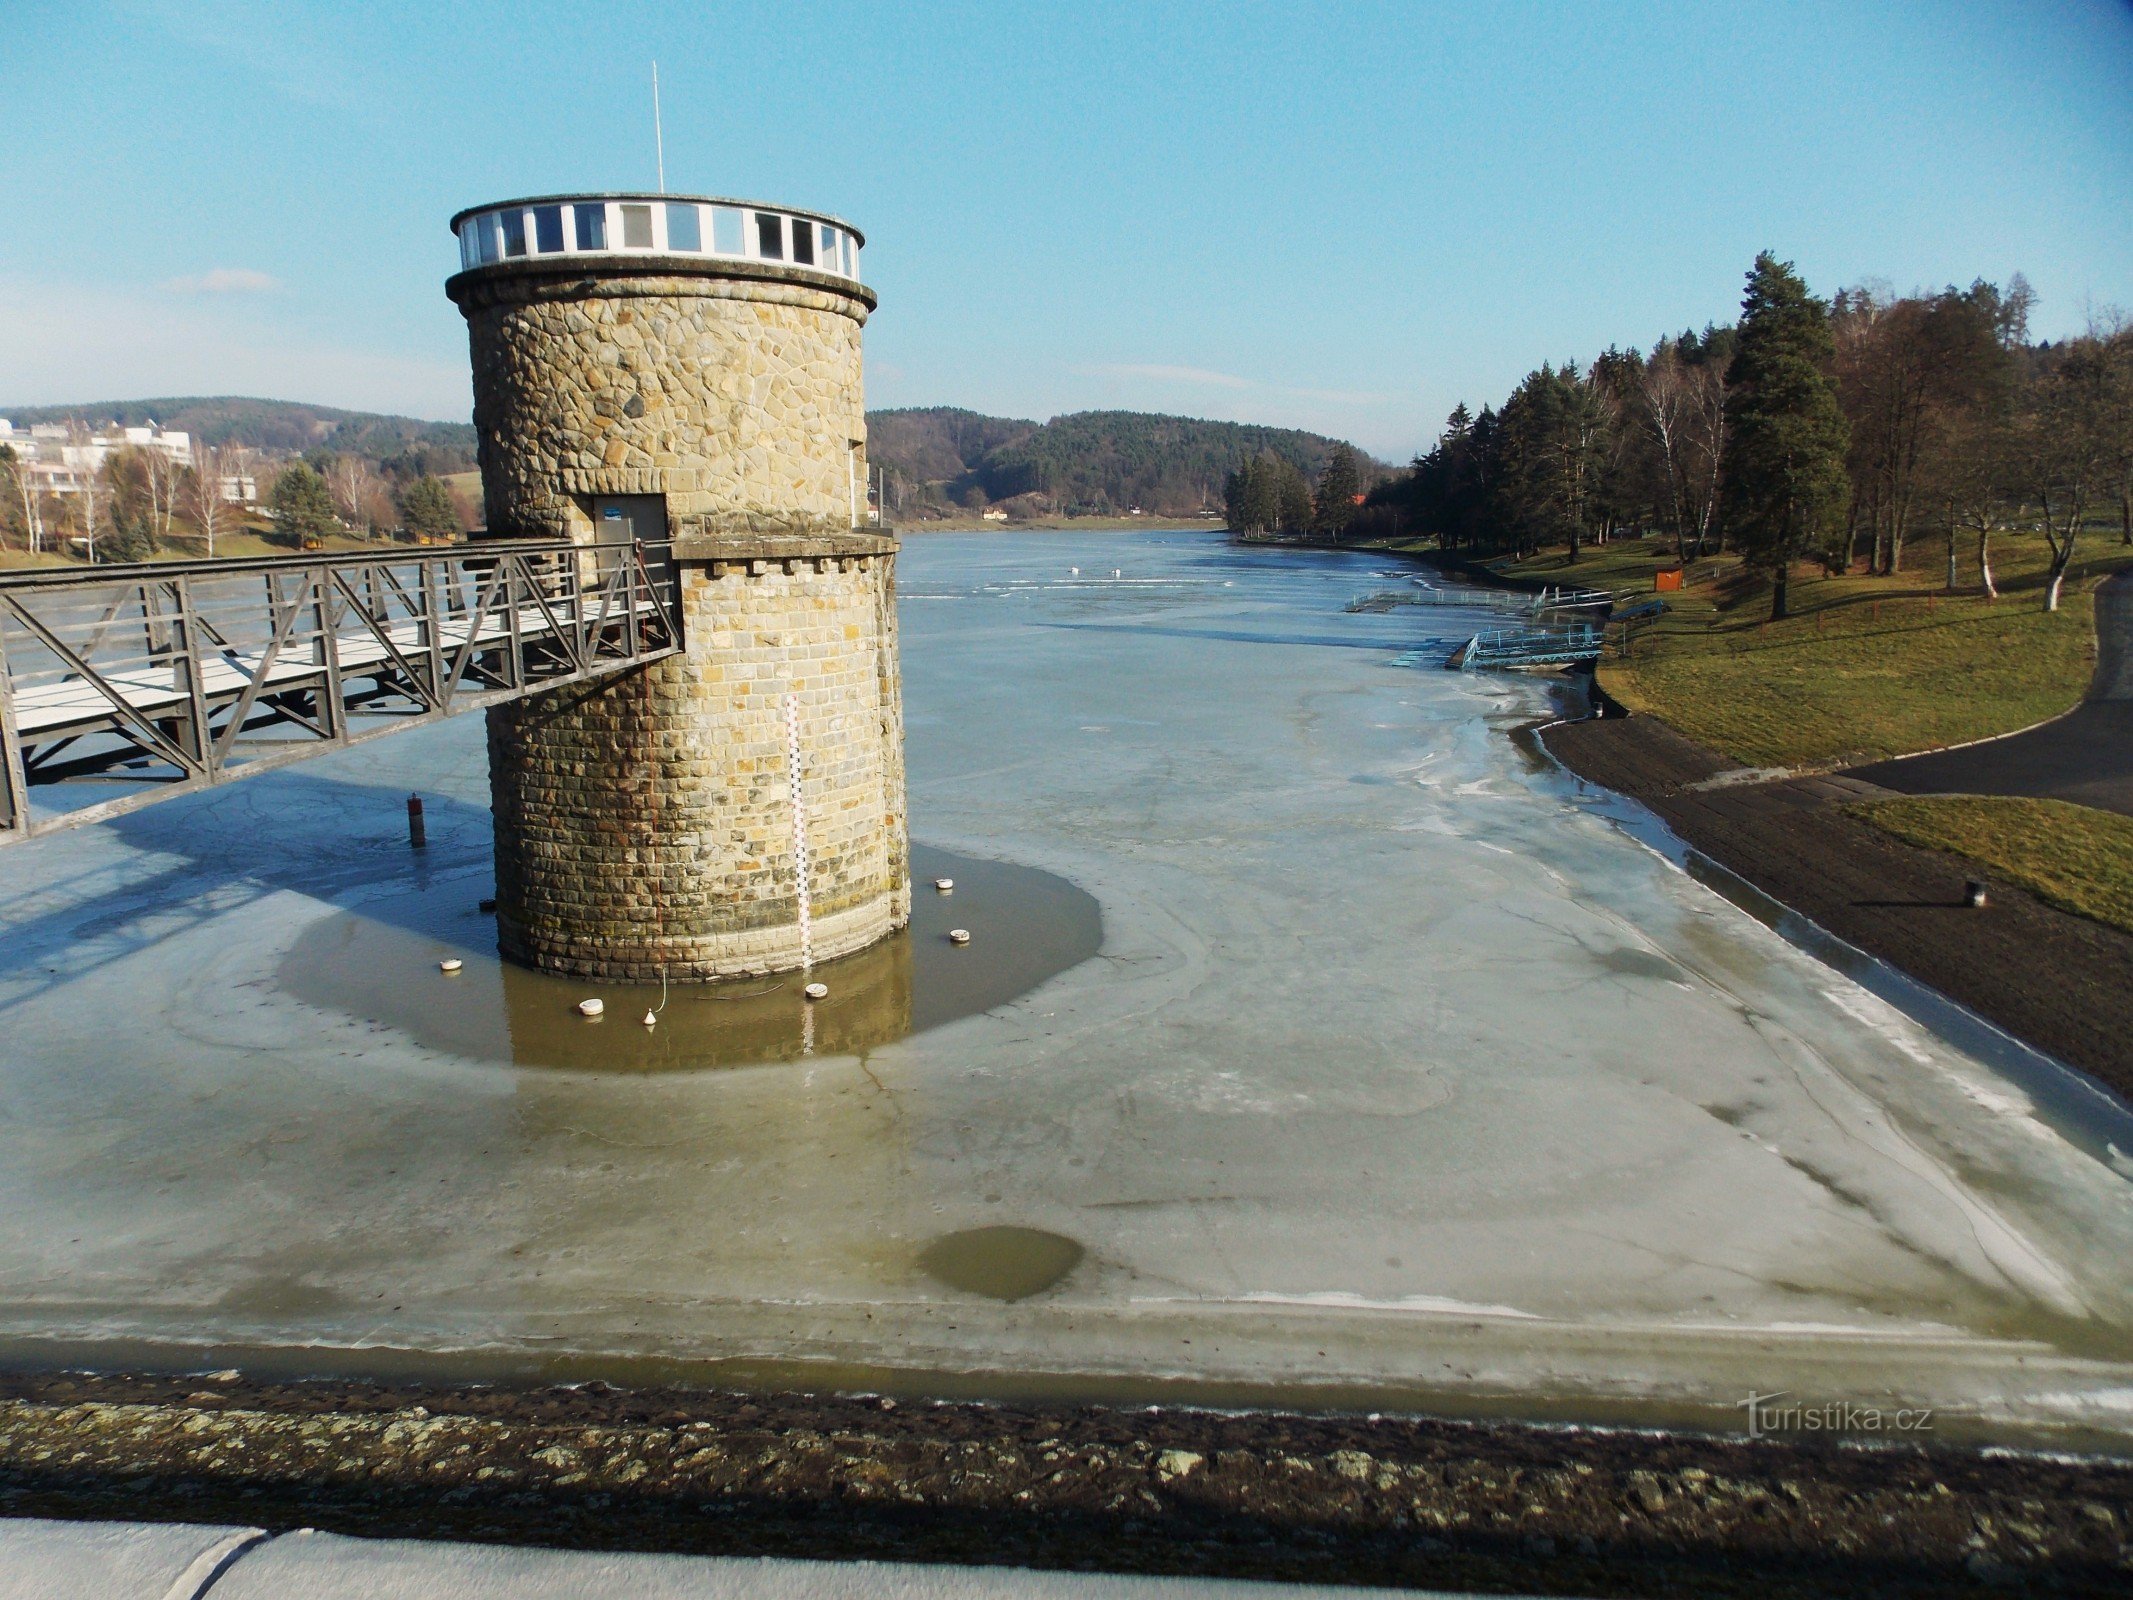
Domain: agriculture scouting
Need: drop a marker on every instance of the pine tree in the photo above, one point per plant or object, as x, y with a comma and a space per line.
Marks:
427, 510
1251, 497
1292, 499
302, 504
1786, 439
1340, 486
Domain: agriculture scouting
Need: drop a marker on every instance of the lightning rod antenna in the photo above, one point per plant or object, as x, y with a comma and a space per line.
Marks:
659, 138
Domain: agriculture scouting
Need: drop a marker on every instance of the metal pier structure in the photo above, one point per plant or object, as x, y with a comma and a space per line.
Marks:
1530, 603
165, 677
1528, 647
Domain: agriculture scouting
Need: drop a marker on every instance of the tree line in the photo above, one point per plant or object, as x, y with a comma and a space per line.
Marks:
1838, 431
1269, 496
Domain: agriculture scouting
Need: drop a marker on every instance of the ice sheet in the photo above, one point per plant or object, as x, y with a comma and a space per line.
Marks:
1400, 1065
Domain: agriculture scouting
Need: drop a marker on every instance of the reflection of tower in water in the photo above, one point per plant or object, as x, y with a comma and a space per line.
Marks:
379, 963
717, 1025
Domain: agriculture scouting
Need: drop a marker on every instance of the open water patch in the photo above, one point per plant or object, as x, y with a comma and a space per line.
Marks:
1001, 1263
379, 961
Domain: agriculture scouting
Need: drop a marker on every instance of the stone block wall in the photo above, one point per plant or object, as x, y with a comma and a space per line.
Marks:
646, 822
739, 399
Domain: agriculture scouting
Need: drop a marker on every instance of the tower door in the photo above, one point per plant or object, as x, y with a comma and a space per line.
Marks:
622, 519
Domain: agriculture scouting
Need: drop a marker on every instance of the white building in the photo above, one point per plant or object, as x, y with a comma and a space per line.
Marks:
63, 459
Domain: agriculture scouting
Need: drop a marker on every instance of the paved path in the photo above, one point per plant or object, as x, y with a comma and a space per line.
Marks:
43, 1560
2085, 756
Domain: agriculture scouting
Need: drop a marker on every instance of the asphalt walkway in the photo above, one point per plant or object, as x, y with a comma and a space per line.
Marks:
2085, 756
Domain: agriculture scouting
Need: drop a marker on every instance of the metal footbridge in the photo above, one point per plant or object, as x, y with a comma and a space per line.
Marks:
123, 685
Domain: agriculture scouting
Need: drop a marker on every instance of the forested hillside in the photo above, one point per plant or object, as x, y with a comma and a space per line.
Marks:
1091, 462
939, 459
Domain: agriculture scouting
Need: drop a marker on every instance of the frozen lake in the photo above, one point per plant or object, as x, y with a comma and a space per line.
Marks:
1403, 1075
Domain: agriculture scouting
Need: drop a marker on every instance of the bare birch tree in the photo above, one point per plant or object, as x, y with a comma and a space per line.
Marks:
210, 511
2066, 446
161, 477
1663, 408
358, 492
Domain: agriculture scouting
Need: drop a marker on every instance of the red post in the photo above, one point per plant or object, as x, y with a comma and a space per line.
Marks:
418, 833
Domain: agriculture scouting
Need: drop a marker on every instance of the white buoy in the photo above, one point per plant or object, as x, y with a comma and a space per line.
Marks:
450, 964
651, 1019
944, 884
1116, 573
592, 1007
1076, 571
817, 991
959, 936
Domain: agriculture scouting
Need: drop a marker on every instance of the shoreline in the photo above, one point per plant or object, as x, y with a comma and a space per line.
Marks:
2057, 982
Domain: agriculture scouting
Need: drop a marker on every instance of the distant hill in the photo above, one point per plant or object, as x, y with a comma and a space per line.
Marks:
1091, 461
1101, 462
284, 427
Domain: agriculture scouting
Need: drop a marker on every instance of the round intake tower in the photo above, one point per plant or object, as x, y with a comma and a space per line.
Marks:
681, 377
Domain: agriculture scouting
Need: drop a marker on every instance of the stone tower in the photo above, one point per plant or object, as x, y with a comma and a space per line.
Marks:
650, 367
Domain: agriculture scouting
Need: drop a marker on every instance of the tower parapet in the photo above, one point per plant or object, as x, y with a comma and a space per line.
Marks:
686, 370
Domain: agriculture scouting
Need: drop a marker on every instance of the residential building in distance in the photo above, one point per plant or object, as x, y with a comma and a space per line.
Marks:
63, 459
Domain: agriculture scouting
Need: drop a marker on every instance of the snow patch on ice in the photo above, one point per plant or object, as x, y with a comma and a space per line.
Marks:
1427, 1304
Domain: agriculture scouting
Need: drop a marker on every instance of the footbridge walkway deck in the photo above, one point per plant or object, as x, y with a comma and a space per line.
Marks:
164, 677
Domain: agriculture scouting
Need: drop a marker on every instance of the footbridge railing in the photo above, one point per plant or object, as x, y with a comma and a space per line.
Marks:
164, 677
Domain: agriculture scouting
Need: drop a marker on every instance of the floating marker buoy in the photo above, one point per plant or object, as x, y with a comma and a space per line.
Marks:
651, 1019
817, 991
592, 1007
959, 936
1116, 573
944, 884
450, 964
1076, 571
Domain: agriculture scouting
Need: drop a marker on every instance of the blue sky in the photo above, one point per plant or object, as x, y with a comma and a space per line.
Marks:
1342, 217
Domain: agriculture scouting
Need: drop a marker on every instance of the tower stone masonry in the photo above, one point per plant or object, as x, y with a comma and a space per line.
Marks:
662, 368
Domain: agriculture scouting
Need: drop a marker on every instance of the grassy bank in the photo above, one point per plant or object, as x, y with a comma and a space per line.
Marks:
2073, 857
1866, 667
242, 542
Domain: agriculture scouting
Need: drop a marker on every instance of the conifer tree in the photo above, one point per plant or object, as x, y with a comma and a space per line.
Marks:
1786, 438
1339, 487
302, 504
427, 510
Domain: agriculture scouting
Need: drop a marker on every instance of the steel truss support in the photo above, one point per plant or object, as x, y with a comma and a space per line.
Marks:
180, 675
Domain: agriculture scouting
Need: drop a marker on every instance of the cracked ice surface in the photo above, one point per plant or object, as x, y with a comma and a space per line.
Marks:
1402, 1070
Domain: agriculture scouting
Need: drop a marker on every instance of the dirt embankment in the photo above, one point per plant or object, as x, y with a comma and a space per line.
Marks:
2061, 982
1341, 1499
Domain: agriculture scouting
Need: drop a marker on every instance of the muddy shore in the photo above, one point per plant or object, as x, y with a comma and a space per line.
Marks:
1344, 1499
2058, 981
